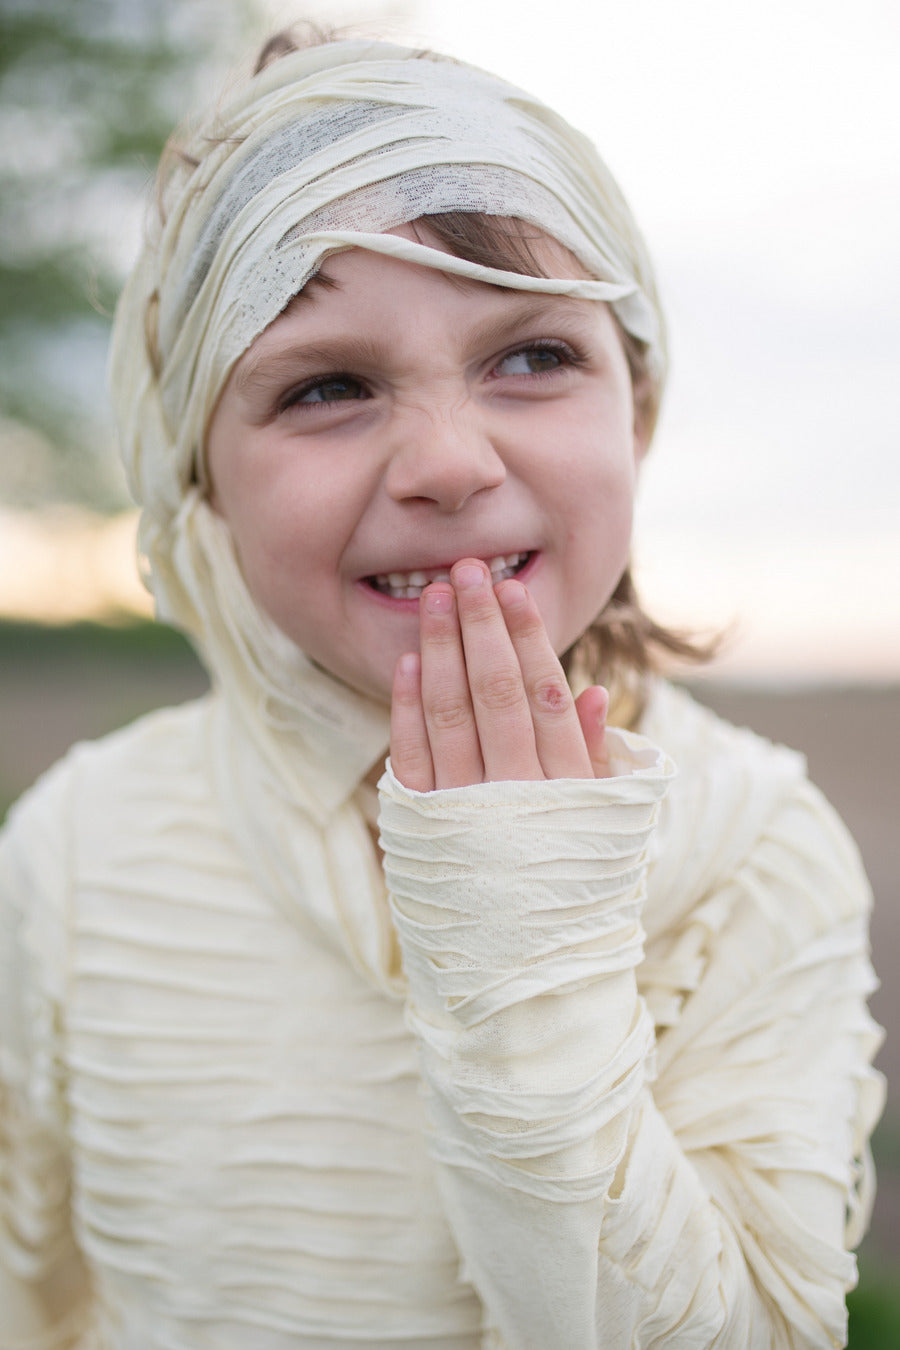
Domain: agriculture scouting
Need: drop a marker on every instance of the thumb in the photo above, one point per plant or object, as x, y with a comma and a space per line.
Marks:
592, 706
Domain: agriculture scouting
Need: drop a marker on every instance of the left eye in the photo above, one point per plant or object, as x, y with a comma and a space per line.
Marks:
531, 361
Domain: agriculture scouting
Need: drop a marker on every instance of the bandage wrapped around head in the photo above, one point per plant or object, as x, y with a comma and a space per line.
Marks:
324, 150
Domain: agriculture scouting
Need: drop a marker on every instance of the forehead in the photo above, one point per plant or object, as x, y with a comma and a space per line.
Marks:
364, 307
362, 268
350, 275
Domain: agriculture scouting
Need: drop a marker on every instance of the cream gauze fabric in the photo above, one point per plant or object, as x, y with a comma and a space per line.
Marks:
322, 151
623, 1103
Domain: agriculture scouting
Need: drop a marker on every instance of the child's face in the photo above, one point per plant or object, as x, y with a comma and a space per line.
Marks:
393, 420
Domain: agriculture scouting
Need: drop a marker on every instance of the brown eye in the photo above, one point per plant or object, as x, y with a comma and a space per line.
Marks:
532, 360
334, 389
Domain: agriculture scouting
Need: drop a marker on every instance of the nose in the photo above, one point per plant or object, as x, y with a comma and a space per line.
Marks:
443, 455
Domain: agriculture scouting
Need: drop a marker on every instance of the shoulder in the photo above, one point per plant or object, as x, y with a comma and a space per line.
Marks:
708, 748
109, 809
165, 744
100, 788
739, 801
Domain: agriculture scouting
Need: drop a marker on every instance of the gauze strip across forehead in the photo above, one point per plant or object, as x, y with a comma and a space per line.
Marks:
326, 149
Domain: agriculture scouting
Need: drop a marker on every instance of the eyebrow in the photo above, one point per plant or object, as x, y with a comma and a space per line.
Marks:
348, 350
265, 370
522, 308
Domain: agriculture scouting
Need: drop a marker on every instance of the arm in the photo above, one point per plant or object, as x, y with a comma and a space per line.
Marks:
592, 1205
43, 1287
584, 1195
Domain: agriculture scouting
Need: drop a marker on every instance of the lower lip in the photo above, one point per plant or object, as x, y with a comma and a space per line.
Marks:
404, 606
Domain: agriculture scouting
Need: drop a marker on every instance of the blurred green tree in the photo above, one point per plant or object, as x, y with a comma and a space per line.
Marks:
89, 90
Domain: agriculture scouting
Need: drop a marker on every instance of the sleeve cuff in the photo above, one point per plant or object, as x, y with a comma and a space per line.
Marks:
640, 773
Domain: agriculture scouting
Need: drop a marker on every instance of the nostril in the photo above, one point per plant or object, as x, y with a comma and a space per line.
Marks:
443, 468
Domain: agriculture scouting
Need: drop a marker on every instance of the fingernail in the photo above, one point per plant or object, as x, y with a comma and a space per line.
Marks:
467, 576
511, 594
438, 602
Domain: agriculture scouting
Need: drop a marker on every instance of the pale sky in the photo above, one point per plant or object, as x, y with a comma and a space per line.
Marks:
760, 149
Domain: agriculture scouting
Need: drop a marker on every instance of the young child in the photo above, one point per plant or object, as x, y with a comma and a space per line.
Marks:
582, 1058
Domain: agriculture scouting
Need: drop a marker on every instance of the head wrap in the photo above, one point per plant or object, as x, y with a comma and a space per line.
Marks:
324, 150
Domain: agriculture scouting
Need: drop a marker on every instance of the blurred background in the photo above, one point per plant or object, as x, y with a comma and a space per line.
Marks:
760, 148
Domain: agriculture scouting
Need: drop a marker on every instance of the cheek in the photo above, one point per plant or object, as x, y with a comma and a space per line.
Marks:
600, 489
292, 524
597, 482
594, 437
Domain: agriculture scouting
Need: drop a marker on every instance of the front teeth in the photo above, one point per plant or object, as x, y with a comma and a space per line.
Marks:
410, 585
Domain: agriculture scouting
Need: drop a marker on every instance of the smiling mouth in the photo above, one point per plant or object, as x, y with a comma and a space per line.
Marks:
410, 585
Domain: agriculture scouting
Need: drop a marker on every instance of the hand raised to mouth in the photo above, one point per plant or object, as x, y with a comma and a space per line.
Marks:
486, 699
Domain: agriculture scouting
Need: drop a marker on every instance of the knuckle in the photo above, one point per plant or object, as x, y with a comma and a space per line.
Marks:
499, 691
478, 607
528, 621
551, 695
440, 637
408, 747
405, 699
448, 712
412, 766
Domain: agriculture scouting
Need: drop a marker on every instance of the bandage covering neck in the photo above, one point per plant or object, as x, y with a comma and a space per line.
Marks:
325, 150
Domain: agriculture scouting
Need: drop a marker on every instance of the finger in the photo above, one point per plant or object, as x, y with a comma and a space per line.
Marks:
593, 706
558, 734
410, 750
502, 714
446, 702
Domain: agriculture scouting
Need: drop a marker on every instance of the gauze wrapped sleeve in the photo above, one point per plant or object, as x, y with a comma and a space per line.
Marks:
597, 1199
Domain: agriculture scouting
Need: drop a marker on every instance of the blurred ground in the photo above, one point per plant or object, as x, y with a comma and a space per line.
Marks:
58, 686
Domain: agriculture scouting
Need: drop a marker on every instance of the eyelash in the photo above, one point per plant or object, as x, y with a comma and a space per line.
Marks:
294, 397
566, 354
567, 357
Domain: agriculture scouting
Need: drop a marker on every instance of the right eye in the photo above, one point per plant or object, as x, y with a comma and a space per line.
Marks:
327, 389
